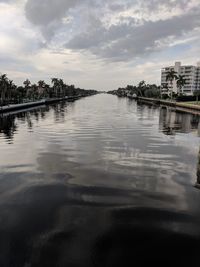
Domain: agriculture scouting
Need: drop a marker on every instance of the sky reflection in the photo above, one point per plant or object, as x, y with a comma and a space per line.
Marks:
71, 173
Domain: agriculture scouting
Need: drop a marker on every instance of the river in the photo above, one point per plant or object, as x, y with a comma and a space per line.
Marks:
102, 181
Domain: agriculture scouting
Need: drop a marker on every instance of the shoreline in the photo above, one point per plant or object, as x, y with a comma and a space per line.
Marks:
23, 106
184, 107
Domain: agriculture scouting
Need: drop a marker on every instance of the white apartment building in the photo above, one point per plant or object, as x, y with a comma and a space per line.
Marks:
190, 73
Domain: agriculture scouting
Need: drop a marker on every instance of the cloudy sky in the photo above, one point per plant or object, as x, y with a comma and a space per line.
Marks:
100, 44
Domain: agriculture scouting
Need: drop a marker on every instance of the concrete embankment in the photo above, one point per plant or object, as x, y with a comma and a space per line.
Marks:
8, 108
179, 106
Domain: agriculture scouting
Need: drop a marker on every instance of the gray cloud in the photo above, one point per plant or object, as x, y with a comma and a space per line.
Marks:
122, 40
171, 4
128, 40
45, 11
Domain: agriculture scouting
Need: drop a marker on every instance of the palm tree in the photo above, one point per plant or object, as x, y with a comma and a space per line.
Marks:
11, 87
41, 83
3, 87
71, 89
12, 91
55, 82
61, 88
27, 85
41, 87
141, 88
58, 86
180, 82
34, 91
197, 94
46, 90
171, 76
164, 89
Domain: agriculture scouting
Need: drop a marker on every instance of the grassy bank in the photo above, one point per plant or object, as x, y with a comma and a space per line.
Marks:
191, 103
184, 105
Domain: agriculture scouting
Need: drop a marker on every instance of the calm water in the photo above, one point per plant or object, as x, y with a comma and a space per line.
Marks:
99, 182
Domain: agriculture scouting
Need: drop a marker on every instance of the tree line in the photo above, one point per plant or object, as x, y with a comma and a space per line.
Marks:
10, 93
154, 91
142, 90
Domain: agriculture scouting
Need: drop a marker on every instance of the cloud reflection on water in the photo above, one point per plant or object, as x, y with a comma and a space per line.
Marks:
83, 185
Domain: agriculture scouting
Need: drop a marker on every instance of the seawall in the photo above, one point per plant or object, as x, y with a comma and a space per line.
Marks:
8, 108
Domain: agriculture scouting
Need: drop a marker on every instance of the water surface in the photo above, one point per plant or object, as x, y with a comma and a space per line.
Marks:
101, 182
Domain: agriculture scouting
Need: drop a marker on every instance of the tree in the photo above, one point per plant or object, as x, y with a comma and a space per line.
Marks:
141, 88
47, 91
55, 82
131, 90
152, 90
27, 83
71, 89
41, 88
3, 87
61, 88
21, 93
12, 91
171, 76
180, 82
197, 94
34, 92
164, 91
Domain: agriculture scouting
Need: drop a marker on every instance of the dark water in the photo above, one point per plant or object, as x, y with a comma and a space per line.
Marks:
99, 182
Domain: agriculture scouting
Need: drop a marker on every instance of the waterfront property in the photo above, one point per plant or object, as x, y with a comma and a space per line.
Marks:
189, 72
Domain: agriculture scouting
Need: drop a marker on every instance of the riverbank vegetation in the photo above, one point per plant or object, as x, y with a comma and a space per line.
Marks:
154, 91
141, 90
10, 93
